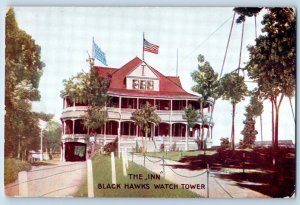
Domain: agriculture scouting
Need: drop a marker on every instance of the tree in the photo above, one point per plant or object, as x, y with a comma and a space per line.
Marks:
90, 88
272, 61
253, 110
144, 117
233, 88
206, 85
249, 132
51, 136
225, 144
23, 69
192, 116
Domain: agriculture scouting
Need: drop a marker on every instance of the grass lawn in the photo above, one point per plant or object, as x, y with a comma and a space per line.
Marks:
177, 156
12, 167
102, 175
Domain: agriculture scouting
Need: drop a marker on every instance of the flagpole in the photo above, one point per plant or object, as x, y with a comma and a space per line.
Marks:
93, 47
143, 45
177, 63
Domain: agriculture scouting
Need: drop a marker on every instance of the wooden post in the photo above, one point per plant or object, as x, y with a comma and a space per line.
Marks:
90, 178
23, 185
132, 156
164, 173
144, 160
126, 158
113, 168
124, 163
207, 183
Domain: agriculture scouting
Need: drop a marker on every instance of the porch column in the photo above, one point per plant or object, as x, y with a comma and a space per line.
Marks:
186, 138
73, 120
137, 103
119, 138
120, 101
211, 130
64, 104
61, 151
104, 133
74, 106
63, 128
170, 131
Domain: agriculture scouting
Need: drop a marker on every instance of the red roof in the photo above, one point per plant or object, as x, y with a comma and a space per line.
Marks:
169, 86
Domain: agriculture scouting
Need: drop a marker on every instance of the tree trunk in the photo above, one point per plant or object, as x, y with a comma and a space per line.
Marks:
202, 128
273, 144
276, 127
261, 130
232, 130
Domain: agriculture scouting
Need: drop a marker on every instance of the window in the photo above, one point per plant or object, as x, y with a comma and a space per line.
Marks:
143, 85
135, 84
150, 84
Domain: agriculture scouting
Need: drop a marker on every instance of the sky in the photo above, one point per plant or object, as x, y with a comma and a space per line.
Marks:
65, 36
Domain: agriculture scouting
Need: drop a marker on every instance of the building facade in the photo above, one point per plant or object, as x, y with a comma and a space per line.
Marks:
132, 86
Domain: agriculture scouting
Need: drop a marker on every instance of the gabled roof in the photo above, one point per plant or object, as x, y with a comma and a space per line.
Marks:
169, 86
175, 80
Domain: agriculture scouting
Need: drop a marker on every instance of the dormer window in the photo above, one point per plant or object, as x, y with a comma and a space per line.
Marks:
135, 84
142, 84
150, 84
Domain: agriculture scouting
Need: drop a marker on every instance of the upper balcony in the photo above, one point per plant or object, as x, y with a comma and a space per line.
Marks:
121, 107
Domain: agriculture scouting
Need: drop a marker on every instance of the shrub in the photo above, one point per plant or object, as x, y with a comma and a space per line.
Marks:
225, 144
12, 167
174, 147
162, 147
111, 147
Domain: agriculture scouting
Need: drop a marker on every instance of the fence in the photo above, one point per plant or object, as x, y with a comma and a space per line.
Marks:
209, 173
44, 183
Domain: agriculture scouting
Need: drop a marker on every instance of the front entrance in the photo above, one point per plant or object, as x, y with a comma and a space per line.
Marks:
75, 151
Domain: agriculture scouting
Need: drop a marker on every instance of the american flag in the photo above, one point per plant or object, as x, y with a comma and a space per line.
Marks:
150, 47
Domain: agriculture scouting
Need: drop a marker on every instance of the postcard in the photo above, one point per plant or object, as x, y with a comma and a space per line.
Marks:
150, 102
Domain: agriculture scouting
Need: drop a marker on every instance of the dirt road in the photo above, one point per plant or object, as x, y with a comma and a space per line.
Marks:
62, 179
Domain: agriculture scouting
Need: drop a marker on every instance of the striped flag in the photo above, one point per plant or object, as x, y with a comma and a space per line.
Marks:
152, 48
98, 53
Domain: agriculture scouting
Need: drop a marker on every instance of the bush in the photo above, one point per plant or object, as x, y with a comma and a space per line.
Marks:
225, 144
162, 147
12, 167
111, 147
174, 148
138, 149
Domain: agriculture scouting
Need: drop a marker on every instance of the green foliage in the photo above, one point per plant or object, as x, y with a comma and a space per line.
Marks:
249, 133
86, 87
89, 88
111, 147
146, 116
23, 69
95, 117
206, 80
191, 115
272, 61
233, 88
225, 144
52, 135
246, 11
11, 169
255, 108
